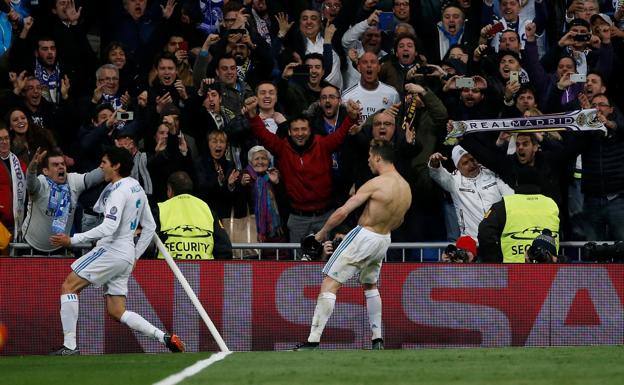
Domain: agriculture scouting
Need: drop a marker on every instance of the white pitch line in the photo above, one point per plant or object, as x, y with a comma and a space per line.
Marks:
193, 369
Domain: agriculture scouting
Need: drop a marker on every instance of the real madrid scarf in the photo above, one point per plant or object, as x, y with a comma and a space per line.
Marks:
581, 120
18, 181
59, 202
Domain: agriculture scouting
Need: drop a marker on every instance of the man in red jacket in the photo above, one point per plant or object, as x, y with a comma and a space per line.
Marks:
305, 163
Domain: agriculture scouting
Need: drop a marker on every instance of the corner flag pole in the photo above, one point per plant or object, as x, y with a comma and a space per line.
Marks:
191, 294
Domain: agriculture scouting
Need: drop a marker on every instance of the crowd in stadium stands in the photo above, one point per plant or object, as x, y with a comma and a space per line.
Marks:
169, 80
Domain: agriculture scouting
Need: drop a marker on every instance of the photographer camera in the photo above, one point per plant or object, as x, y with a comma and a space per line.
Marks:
330, 246
604, 253
313, 250
543, 249
463, 251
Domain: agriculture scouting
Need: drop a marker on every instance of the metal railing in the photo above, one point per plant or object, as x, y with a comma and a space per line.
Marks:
406, 251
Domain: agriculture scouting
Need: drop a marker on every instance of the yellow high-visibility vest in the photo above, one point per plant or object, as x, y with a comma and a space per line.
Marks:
188, 224
527, 216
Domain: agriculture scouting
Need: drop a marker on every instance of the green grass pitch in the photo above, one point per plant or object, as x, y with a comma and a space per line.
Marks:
595, 365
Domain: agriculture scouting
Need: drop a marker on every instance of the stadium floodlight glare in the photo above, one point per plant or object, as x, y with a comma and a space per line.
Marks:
189, 291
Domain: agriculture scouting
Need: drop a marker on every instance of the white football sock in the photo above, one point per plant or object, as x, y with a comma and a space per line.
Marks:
373, 305
322, 312
69, 319
140, 324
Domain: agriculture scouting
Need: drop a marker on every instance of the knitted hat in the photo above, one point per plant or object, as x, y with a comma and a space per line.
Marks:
456, 155
546, 242
467, 243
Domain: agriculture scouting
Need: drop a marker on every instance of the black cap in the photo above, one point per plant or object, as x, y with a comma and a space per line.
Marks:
460, 67
125, 134
579, 21
506, 52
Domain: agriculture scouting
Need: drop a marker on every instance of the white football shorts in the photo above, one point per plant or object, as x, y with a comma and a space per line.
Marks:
361, 251
103, 269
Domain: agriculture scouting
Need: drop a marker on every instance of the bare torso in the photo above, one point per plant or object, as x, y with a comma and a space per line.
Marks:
388, 204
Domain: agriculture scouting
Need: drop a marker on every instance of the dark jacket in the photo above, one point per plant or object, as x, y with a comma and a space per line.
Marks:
549, 164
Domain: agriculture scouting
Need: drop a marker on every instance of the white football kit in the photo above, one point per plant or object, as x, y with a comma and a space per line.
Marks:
383, 97
125, 207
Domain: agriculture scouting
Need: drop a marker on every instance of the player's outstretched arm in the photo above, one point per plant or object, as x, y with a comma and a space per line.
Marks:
338, 216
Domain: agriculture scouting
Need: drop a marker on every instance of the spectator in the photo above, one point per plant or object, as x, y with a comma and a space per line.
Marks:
189, 227
362, 37
298, 97
12, 187
372, 94
27, 96
9, 20
167, 88
107, 91
602, 180
115, 54
326, 116
262, 182
452, 29
473, 188
394, 70
309, 38
548, 163
266, 92
53, 198
139, 172
511, 225
217, 175
44, 66
591, 53
512, 19
69, 31
178, 47
140, 29
234, 92
463, 251
171, 154
93, 138
26, 136
305, 163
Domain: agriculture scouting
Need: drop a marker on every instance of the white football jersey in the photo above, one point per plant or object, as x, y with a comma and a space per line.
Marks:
124, 206
372, 101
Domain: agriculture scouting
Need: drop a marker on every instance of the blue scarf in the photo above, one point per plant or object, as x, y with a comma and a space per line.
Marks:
452, 39
268, 219
59, 203
51, 82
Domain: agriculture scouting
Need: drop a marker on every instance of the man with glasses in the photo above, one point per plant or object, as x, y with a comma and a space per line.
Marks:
331, 9
107, 88
602, 181
401, 10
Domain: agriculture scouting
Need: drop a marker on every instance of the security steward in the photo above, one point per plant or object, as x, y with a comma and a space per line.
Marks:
511, 225
188, 227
